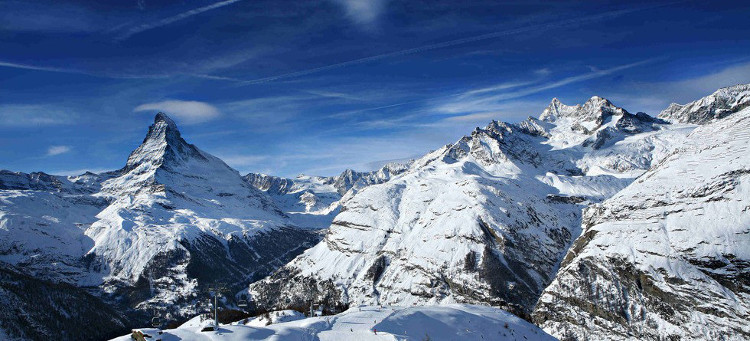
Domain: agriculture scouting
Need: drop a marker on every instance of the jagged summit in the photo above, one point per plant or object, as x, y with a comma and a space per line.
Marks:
721, 103
667, 256
592, 124
162, 117
163, 129
163, 145
595, 109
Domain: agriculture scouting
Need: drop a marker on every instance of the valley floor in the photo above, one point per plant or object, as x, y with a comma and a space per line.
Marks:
445, 322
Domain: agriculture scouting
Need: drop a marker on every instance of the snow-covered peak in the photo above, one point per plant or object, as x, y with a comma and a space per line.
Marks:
719, 104
556, 109
595, 109
163, 145
163, 118
667, 256
592, 124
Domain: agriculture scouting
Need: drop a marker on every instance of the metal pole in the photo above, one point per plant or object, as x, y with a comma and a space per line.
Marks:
216, 315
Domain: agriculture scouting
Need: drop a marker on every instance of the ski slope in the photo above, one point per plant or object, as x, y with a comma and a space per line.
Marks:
445, 322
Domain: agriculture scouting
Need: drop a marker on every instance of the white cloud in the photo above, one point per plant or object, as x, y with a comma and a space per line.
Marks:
543, 71
57, 150
26, 115
189, 112
363, 12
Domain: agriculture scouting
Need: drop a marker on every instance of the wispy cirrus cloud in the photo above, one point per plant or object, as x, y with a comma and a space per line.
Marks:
480, 100
36, 67
652, 97
536, 27
479, 116
189, 112
101, 74
57, 150
32, 115
131, 31
57, 17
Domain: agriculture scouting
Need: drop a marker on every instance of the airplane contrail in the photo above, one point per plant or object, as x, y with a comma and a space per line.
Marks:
468, 106
542, 27
471, 104
37, 68
166, 21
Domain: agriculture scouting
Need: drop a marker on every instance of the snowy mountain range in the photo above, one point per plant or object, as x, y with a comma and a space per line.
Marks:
152, 235
668, 257
490, 218
593, 222
313, 201
484, 220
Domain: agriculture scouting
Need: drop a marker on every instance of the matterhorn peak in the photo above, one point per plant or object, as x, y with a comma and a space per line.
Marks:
163, 118
162, 144
163, 129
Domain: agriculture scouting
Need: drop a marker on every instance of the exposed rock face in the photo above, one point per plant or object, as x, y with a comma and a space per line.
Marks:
342, 183
35, 309
313, 201
721, 103
350, 179
269, 183
489, 219
181, 218
484, 220
152, 234
595, 124
667, 257
39, 181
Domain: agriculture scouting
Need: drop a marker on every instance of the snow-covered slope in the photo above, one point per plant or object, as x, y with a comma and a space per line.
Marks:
668, 257
181, 218
486, 219
313, 201
447, 322
152, 234
721, 103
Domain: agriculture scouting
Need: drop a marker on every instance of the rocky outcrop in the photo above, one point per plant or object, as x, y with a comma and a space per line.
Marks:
484, 220
666, 257
151, 235
720, 104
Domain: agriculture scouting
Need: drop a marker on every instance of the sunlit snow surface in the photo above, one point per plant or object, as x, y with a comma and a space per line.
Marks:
447, 322
171, 204
668, 255
485, 219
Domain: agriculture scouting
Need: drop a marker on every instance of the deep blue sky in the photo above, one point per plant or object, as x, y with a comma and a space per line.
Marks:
311, 87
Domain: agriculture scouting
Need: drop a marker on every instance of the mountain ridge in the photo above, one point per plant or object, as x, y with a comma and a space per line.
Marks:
460, 225
488, 219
